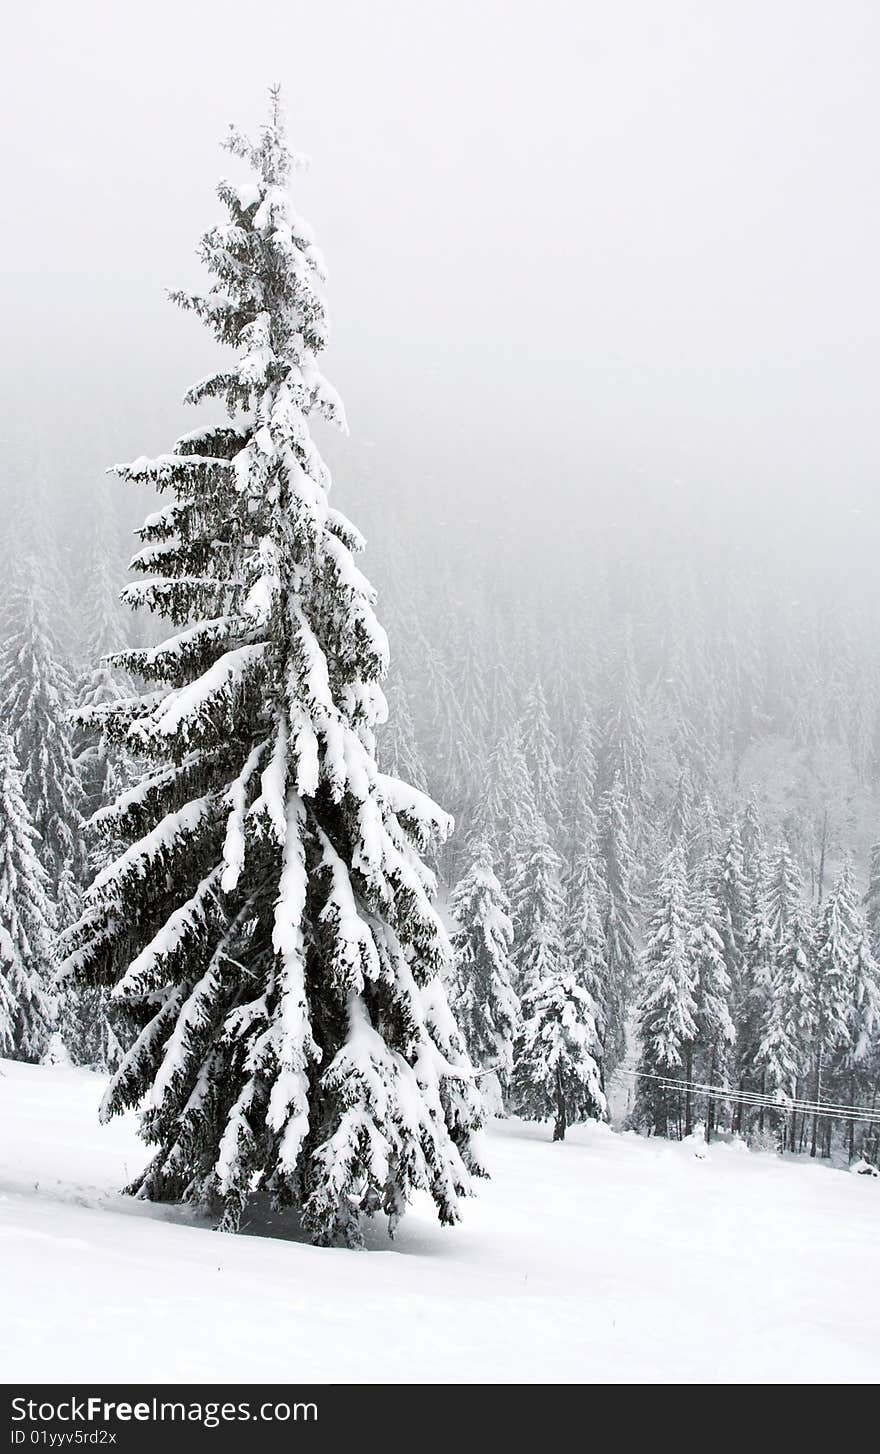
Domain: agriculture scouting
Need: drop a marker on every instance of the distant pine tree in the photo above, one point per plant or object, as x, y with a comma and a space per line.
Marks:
864, 1009
667, 1012
482, 996
555, 1072
872, 902
580, 822
706, 835
619, 926
538, 911
624, 744
502, 696
103, 772
505, 806
399, 749
752, 985
541, 753
585, 945
472, 690
451, 760
858, 1064
732, 898
752, 840
27, 1009
36, 699
837, 943
681, 815
709, 1062
788, 1025
784, 892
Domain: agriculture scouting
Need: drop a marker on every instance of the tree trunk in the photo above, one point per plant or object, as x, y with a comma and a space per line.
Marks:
737, 1112
816, 1098
792, 1130
561, 1111
688, 1104
852, 1124
872, 1132
822, 855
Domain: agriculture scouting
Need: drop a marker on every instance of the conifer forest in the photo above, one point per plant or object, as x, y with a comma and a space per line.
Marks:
449, 823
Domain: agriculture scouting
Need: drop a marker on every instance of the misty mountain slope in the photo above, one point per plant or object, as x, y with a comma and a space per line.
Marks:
607, 1257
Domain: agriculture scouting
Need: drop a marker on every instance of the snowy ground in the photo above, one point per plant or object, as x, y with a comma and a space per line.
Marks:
606, 1258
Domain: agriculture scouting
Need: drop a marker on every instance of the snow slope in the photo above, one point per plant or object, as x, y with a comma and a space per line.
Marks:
606, 1258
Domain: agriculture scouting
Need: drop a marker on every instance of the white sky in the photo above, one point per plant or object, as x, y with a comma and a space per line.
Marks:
570, 244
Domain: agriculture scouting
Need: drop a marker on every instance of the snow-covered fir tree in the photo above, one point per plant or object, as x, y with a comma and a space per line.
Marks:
505, 806
872, 902
541, 753
482, 996
706, 835
784, 891
584, 936
36, 700
667, 1011
556, 1073
776, 897
102, 772
837, 942
579, 814
268, 932
751, 987
681, 817
502, 694
456, 748
471, 690
858, 1065
105, 769
619, 926
732, 898
27, 1008
399, 749
624, 747
788, 1026
538, 910
752, 840
710, 1061
521, 810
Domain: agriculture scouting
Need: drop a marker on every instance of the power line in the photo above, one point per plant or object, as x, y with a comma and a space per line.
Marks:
749, 1098
756, 1101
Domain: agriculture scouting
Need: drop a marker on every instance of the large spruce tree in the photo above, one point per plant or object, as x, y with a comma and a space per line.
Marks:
268, 932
